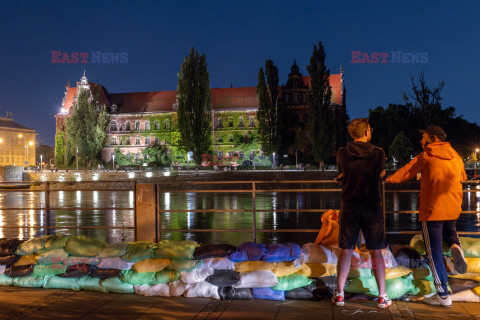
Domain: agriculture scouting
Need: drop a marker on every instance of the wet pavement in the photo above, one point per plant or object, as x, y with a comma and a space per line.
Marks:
26, 303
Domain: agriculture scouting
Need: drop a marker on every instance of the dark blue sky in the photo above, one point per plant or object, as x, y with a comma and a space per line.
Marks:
237, 37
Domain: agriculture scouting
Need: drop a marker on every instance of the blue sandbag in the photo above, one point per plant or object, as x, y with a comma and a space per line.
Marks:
249, 251
282, 252
268, 294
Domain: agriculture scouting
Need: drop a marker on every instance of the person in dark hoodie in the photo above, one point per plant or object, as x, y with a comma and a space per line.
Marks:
441, 192
361, 166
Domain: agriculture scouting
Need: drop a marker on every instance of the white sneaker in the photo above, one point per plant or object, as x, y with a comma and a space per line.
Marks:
338, 299
459, 261
384, 302
439, 302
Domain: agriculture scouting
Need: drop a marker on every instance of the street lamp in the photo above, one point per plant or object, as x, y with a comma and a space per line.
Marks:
41, 162
477, 150
30, 143
273, 160
113, 165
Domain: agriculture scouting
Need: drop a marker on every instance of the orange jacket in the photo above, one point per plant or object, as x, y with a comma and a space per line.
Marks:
442, 172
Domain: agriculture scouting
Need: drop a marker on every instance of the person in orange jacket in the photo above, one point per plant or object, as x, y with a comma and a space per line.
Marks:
441, 192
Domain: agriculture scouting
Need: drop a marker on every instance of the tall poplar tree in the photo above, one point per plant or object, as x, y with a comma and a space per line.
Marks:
194, 106
269, 111
319, 94
86, 128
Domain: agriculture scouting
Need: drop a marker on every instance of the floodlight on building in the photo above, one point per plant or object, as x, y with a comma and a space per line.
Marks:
149, 174
30, 143
131, 175
166, 173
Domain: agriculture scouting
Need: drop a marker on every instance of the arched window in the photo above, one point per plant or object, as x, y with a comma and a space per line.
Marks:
147, 141
295, 119
147, 125
251, 122
167, 125
113, 126
230, 122
120, 127
230, 139
240, 122
113, 141
137, 141
127, 126
231, 153
295, 97
128, 142
220, 123
157, 125
137, 125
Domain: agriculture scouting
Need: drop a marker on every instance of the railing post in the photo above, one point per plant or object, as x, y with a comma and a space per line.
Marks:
145, 212
47, 206
254, 213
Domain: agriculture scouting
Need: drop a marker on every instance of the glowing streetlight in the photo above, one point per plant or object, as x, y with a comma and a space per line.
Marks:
113, 165
41, 162
30, 143
477, 150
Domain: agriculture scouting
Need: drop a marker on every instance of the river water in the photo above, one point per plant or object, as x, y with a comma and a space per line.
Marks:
15, 223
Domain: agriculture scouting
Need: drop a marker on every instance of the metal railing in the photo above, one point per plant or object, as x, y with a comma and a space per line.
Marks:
47, 190
254, 190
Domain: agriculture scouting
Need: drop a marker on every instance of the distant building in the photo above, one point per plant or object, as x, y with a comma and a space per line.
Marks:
141, 119
17, 146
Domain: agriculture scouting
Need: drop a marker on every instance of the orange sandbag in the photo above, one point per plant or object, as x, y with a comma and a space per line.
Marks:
328, 235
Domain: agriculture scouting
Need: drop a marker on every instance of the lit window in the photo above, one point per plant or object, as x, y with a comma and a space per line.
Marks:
157, 125
147, 125
113, 141
113, 126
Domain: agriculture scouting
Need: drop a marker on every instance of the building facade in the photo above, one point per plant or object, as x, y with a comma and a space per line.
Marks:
17, 143
139, 120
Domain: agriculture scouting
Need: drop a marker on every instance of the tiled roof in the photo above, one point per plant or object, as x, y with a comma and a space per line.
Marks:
8, 123
163, 101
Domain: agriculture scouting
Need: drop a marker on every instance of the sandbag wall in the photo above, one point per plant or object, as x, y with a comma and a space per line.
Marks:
185, 268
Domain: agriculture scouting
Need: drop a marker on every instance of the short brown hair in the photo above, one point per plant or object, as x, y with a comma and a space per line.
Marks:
357, 127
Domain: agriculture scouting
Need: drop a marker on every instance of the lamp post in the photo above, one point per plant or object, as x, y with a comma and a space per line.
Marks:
41, 162
30, 143
477, 150
113, 165
77, 158
273, 160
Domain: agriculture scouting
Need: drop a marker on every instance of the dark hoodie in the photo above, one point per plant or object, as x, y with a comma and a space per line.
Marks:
361, 165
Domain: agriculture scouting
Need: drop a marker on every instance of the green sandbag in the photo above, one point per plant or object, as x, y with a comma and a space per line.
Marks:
395, 287
418, 245
470, 246
422, 287
32, 246
139, 250
113, 250
137, 278
83, 246
41, 270
361, 285
5, 281
72, 261
166, 276
291, 282
184, 265
91, 284
61, 283
56, 242
117, 286
54, 256
28, 282
175, 250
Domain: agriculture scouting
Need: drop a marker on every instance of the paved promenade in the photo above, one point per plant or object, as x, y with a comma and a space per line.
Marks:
25, 303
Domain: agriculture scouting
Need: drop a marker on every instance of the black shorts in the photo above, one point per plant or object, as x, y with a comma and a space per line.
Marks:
371, 223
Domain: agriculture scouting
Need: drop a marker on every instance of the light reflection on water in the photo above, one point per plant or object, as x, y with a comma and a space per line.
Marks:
278, 219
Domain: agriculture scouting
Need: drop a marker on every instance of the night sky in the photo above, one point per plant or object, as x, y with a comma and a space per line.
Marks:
236, 37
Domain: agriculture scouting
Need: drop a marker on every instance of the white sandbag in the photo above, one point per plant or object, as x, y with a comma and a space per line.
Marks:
3, 267
465, 296
196, 275
202, 289
363, 260
115, 263
177, 288
257, 279
158, 290
314, 253
218, 263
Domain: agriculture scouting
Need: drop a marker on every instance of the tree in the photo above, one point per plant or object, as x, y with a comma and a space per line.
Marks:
426, 105
86, 128
194, 106
319, 94
269, 112
401, 148
157, 154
